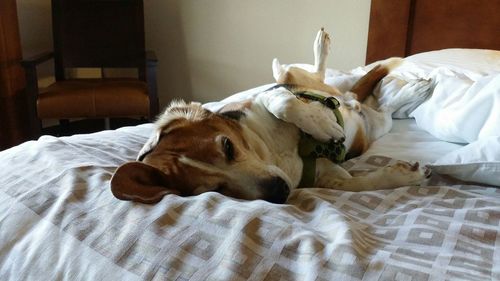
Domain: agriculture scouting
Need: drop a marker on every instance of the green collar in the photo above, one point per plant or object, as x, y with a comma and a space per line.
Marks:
309, 148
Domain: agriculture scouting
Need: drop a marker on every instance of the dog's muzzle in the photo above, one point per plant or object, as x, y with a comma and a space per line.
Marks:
275, 190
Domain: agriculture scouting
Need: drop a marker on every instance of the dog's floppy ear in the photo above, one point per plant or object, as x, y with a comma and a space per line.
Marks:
139, 182
235, 110
278, 71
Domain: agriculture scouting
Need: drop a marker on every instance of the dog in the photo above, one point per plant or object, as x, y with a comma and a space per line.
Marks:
251, 149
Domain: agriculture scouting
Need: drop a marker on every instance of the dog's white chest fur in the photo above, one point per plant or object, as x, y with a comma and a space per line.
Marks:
277, 141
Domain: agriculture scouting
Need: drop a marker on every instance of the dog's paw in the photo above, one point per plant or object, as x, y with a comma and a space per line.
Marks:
312, 118
319, 121
412, 94
404, 173
321, 44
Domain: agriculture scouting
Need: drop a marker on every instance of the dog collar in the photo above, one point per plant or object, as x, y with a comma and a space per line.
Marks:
309, 148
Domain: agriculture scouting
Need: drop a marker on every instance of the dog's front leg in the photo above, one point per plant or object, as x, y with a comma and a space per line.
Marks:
313, 118
332, 176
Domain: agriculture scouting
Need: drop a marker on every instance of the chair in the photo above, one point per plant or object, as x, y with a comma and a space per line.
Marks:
102, 34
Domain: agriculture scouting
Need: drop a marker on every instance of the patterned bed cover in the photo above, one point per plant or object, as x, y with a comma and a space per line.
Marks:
59, 221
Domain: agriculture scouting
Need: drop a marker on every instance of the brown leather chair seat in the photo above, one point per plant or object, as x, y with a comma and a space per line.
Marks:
94, 98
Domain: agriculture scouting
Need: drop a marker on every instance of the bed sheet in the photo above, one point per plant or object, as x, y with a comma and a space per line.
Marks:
59, 221
406, 141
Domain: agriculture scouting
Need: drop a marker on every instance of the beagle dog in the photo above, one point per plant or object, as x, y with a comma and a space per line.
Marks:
253, 149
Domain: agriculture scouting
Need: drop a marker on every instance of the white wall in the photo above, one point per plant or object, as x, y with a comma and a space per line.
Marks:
209, 49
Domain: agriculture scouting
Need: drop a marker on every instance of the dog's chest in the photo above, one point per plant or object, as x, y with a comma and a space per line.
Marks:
280, 139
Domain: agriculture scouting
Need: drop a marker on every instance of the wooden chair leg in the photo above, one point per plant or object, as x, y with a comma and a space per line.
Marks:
107, 123
37, 128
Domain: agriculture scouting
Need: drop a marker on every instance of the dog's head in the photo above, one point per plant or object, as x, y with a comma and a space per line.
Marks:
192, 151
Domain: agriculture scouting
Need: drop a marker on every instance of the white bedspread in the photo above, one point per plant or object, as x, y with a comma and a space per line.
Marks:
59, 221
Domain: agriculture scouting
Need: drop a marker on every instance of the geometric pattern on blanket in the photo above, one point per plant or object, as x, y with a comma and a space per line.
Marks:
61, 222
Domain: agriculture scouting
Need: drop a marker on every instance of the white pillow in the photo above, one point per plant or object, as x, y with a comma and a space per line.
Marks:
470, 62
479, 61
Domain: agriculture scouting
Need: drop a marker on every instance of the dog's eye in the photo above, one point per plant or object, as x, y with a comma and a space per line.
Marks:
227, 145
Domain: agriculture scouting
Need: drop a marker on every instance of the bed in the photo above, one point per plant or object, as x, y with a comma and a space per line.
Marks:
59, 220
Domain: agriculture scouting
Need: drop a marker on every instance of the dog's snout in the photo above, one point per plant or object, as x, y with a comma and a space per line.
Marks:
275, 190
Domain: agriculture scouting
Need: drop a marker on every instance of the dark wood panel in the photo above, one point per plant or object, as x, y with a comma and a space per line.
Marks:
403, 28
388, 29
455, 24
14, 118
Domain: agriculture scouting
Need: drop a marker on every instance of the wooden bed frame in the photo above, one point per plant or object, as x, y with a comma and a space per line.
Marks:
405, 27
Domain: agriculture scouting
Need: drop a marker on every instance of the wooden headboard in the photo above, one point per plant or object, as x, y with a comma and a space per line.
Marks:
405, 27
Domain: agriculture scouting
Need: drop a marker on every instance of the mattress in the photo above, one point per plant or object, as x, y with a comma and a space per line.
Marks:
59, 221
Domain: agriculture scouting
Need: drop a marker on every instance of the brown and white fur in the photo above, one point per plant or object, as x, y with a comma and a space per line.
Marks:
249, 149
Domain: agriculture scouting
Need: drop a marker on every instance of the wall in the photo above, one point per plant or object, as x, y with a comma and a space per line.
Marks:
209, 49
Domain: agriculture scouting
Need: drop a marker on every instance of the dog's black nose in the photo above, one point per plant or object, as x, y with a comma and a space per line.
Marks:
275, 190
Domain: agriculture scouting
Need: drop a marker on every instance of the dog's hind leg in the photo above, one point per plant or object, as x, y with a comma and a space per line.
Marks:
321, 49
364, 86
293, 75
